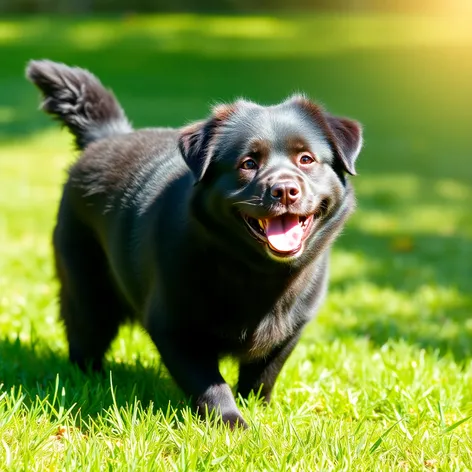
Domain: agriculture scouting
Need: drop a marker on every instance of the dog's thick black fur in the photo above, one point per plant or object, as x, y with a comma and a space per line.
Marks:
215, 236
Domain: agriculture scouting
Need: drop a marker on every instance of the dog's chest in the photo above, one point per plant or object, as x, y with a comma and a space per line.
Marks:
252, 320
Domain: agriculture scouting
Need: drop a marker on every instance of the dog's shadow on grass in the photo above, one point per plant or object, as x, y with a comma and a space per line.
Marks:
42, 373
427, 271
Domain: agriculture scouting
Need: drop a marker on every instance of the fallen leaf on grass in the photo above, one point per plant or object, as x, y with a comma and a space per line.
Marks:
63, 432
402, 244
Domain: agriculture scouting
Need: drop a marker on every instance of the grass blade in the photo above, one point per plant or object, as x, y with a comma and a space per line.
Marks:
377, 443
452, 427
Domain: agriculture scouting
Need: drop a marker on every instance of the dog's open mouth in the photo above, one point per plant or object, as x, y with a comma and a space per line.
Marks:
283, 234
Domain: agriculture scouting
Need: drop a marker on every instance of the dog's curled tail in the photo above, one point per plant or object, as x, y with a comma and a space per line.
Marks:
78, 99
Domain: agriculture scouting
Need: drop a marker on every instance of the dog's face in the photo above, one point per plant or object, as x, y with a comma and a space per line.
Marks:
271, 179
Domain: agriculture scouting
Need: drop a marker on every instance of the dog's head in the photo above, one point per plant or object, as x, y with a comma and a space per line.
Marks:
272, 179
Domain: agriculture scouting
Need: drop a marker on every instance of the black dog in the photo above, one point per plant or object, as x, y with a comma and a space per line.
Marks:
215, 236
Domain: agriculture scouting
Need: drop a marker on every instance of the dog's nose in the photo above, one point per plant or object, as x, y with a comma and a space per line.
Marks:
285, 192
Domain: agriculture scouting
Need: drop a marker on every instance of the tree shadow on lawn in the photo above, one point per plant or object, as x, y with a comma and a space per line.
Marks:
170, 73
36, 369
416, 289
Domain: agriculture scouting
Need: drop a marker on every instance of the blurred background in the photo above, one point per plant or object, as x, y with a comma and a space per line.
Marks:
402, 269
230, 6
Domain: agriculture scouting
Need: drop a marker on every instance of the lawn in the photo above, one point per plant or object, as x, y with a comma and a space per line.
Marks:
382, 379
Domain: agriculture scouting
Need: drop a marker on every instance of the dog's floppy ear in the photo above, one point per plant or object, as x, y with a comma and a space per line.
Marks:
343, 134
347, 136
195, 140
193, 144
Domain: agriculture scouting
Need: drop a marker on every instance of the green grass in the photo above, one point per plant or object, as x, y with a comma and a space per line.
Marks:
382, 380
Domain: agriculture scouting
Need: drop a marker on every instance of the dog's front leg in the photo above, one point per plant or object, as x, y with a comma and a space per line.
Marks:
195, 369
259, 375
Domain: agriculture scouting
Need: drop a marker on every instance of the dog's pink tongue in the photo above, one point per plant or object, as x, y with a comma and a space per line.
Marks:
284, 233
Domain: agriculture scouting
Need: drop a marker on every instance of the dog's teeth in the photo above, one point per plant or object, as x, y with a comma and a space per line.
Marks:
261, 224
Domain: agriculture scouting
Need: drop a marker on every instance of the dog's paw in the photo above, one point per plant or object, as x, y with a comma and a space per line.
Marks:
234, 420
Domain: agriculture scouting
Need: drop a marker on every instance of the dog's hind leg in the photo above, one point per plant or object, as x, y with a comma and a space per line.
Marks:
89, 305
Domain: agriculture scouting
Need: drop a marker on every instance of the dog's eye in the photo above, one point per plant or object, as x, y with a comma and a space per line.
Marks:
249, 164
306, 159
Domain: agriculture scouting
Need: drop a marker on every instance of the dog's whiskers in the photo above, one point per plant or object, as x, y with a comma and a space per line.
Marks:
254, 202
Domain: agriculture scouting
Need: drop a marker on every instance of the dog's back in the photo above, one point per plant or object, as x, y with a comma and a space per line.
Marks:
108, 185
